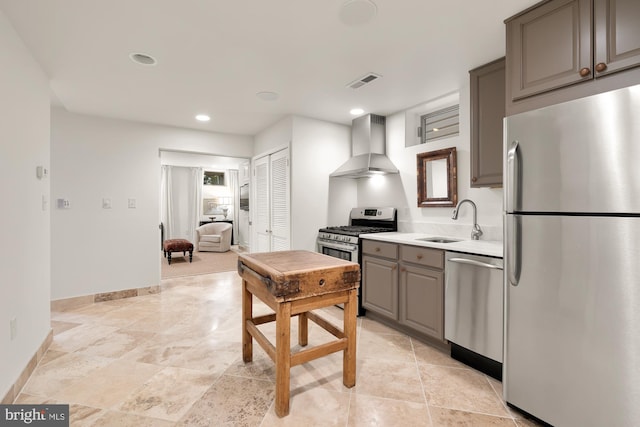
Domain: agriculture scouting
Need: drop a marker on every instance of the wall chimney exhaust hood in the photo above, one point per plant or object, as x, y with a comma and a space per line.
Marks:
367, 149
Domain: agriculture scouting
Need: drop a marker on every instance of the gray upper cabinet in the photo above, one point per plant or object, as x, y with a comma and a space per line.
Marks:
549, 47
617, 35
556, 46
487, 111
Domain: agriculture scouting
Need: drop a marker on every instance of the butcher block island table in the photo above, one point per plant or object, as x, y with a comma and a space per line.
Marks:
293, 283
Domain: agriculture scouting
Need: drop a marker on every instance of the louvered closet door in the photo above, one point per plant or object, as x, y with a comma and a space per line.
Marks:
262, 206
280, 206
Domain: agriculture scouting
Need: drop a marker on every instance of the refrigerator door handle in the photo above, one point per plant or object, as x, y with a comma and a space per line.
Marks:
514, 250
513, 181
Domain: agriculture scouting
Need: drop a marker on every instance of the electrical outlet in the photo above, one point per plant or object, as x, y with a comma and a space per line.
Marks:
13, 326
106, 203
132, 203
64, 204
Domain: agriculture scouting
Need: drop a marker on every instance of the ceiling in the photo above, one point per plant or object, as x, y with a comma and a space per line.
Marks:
213, 56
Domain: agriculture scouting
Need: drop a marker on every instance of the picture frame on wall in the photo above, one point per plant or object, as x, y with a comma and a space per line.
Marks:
213, 178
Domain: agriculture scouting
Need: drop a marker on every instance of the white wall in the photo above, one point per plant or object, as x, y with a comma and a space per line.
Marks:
97, 250
401, 190
25, 250
275, 136
317, 149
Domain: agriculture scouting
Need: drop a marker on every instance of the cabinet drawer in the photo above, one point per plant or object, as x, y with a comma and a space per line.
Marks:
381, 249
423, 256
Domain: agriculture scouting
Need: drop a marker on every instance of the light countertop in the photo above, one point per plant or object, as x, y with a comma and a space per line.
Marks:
477, 247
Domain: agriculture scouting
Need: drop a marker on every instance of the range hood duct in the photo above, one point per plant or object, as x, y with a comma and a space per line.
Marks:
368, 141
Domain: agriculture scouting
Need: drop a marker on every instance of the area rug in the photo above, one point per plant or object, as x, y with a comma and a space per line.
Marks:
203, 263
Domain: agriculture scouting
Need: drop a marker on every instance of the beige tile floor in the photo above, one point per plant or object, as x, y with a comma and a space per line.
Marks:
174, 359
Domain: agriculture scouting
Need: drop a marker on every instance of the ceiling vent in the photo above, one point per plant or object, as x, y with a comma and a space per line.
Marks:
366, 79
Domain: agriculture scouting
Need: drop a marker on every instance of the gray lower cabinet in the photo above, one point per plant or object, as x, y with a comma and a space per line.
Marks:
422, 290
381, 291
405, 284
380, 274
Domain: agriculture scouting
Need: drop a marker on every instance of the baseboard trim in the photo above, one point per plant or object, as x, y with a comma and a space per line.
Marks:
75, 302
17, 386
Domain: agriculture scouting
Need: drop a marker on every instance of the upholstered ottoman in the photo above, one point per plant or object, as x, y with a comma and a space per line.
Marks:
177, 245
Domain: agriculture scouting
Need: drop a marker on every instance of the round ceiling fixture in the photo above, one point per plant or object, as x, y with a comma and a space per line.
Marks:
356, 111
203, 118
267, 96
357, 12
143, 59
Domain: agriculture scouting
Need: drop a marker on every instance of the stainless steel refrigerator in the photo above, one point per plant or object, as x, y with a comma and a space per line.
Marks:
572, 261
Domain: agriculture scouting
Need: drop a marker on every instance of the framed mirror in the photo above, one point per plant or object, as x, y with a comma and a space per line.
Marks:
437, 178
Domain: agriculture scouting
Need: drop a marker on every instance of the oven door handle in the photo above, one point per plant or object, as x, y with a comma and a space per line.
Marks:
338, 246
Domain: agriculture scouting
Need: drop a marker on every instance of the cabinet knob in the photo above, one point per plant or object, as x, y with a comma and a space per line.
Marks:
601, 66
474, 179
377, 249
584, 72
419, 256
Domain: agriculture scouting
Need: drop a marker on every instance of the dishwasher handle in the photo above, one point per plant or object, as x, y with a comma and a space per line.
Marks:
475, 263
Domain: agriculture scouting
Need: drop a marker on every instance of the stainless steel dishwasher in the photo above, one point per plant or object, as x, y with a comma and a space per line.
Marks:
473, 313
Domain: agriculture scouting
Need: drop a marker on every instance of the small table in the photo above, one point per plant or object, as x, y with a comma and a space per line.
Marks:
292, 283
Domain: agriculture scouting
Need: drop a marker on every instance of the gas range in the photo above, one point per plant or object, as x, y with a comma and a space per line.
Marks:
362, 221
353, 230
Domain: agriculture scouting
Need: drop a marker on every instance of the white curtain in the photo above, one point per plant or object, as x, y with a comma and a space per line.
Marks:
181, 199
235, 191
165, 200
195, 203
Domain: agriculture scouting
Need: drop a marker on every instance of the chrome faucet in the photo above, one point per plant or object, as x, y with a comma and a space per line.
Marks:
476, 232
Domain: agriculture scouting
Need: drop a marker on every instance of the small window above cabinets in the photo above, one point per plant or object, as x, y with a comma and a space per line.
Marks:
433, 121
487, 114
439, 124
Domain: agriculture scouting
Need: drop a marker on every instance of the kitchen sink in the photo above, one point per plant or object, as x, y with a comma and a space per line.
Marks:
439, 239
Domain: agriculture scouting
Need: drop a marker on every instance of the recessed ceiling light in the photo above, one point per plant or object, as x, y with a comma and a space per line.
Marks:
203, 118
267, 96
357, 12
143, 59
356, 111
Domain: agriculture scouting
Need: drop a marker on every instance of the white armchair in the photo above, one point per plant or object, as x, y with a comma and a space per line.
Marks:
213, 237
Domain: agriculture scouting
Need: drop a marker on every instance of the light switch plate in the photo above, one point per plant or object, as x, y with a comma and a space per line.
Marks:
106, 203
132, 203
42, 172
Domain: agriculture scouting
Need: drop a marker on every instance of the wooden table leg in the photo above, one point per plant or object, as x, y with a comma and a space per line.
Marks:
349, 355
283, 357
303, 329
247, 315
